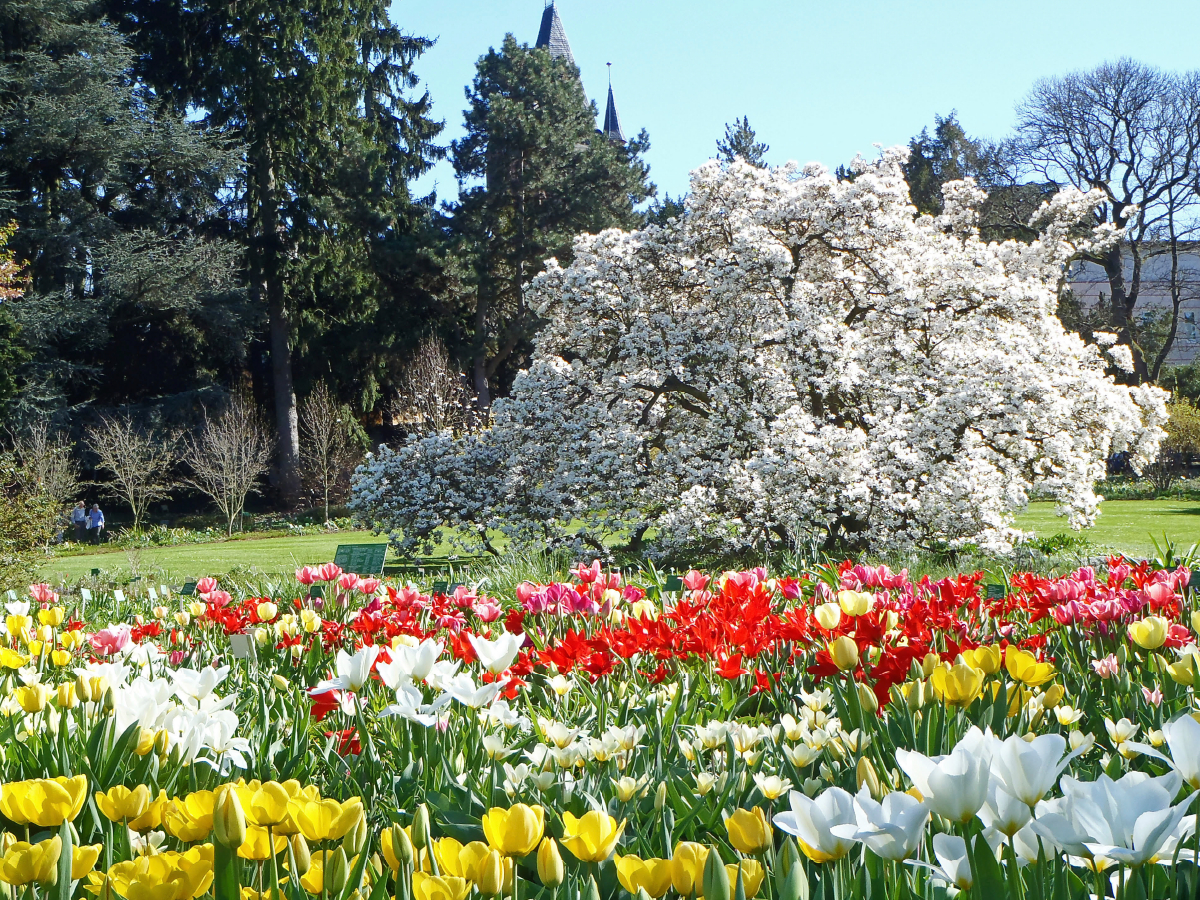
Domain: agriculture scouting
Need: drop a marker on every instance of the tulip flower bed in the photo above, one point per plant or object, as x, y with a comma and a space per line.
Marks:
841, 733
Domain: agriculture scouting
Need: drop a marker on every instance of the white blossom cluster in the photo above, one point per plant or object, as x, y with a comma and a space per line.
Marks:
796, 356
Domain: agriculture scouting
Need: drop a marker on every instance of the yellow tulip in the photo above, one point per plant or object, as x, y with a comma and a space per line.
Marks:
120, 803
489, 877
855, 603
266, 805
52, 616
550, 864
152, 817
32, 698
515, 831
60, 657
651, 875
844, 653
313, 880
24, 863
45, 802
687, 868
1053, 696
957, 685
325, 820
439, 887
65, 695
83, 859
592, 837
1184, 671
190, 818
986, 659
196, 609
1150, 633
72, 640
164, 876
828, 615
752, 876
260, 845
11, 659
310, 621
266, 611
749, 830
92, 688
17, 624
1024, 667
459, 860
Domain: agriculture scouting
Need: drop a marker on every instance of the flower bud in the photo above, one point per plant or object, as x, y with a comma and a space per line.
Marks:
593, 890
716, 879
660, 797
865, 774
549, 863
336, 871
301, 854
491, 874
356, 838
420, 827
867, 699
67, 695
109, 702
789, 855
280, 682
402, 846
229, 820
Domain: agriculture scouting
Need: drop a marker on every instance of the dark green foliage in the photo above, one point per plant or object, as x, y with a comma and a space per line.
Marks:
661, 211
950, 154
537, 173
742, 143
1183, 381
104, 185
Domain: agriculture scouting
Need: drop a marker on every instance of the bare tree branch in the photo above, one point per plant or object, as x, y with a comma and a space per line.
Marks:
140, 460
229, 456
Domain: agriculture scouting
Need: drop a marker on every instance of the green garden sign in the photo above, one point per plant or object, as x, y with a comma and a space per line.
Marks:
361, 559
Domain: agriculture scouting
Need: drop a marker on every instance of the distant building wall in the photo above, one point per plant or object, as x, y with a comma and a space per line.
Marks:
1088, 283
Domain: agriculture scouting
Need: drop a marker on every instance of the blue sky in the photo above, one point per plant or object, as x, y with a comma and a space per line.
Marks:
819, 81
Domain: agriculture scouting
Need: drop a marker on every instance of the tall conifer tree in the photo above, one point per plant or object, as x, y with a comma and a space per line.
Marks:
317, 93
536, 174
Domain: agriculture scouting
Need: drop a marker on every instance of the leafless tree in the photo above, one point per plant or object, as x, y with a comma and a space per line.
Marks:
1133, 132
328, 449
433, 394
47, 461
229, 456
141, 461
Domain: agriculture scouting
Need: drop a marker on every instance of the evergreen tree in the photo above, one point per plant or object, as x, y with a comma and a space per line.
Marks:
547, 175
741, 142
317, 93
104, 184
950, 154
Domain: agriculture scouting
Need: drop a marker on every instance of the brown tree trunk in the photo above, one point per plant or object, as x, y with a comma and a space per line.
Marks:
483, 396
269, 283
1122, 300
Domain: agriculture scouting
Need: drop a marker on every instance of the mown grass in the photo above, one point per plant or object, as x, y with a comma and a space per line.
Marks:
1128, 526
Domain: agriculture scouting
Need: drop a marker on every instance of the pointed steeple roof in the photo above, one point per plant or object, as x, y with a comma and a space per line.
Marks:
553, 36
612, 122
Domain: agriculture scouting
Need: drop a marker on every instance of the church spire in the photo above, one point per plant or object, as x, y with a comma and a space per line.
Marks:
612, 122
553, 36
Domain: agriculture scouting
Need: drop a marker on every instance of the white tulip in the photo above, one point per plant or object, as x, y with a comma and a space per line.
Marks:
811, 822
497, 655
955, 786
1028, 769
892, 829
353, 672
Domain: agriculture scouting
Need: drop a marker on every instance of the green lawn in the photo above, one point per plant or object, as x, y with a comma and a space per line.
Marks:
1124, 525
268, 555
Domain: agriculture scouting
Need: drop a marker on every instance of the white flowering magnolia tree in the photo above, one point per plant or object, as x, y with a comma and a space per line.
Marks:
797, 356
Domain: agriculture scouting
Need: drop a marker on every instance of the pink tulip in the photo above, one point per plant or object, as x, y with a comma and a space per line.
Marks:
487, 611
695, 581
1153, 697
347, 582
525, 590
1107, 667
206, 586
328, 572
176, 657
112, 639
219, 599
306, 575
589, 574
42, 593
368, 586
